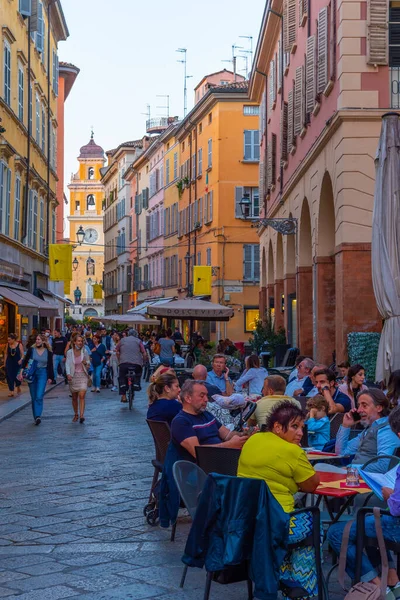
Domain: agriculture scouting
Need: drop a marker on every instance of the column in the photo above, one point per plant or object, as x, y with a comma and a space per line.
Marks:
262, 301
324, 305
289, 287
355, 301
305, 311
279, 315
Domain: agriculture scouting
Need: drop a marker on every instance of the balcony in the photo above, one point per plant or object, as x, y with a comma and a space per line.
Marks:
157, 125
394, 87
90, 302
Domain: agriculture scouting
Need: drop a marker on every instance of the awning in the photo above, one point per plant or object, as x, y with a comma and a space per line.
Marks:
141, 309
54, 295
28, 303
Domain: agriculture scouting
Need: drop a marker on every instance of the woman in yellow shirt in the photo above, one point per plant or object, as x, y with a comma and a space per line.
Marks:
277, 457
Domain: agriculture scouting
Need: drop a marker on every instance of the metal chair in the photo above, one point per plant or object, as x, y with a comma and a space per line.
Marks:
223, 461
190, 480
161, 433
304, 440
364, 541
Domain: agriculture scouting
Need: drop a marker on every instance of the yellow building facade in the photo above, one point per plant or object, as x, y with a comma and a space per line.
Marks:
87, 211
30, 34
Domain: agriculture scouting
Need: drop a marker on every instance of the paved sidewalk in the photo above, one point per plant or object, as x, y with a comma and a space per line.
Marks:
9, 406
71, 500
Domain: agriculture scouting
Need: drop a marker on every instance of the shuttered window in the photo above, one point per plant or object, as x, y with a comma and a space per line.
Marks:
394, 41
310, 74
303, 9
200, 162
251, 262
209, 153
279, 66
290, 23
7, 73
322, 67
251, 145
290, 129
175, 165
17, 206
167, 171
273, 161
377, 32
272, 84
299, 101
284, 132
332, 40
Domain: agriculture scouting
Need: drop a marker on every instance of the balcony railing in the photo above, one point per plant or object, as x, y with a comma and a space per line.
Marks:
394, 87
156, 125
90, 302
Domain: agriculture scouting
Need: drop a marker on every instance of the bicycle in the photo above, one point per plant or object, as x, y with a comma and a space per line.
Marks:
133, 379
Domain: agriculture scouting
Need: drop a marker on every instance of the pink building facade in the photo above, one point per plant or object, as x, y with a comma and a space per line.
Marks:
322, 74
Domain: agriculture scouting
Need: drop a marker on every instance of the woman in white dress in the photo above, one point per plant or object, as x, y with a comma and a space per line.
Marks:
76, 367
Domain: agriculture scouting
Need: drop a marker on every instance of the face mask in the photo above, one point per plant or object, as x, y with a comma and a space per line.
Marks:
77, 347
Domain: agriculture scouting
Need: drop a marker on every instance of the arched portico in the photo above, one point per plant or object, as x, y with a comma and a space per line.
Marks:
305, 282
278, 286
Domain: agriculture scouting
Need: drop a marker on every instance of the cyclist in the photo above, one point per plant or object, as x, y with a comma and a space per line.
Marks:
131, 354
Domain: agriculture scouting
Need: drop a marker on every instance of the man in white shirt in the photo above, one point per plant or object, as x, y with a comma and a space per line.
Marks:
296, 387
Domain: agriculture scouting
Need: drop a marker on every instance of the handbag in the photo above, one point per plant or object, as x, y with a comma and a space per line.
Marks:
29, 372
365, 590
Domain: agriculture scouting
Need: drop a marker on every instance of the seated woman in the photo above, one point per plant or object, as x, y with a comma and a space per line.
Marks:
354, 386
276, 456
253, 376
163, 402
390, 528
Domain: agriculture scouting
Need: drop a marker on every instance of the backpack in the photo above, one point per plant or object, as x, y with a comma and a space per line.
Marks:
365, 590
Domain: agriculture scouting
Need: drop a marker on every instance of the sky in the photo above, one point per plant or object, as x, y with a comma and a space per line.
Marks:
126, 53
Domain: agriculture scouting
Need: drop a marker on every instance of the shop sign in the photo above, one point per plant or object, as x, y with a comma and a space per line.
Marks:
233, 289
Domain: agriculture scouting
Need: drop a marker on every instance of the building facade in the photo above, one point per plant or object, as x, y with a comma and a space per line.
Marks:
28, 163
323, 86
117, 265
86, 211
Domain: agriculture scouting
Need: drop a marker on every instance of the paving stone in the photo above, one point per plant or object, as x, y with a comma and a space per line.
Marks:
52, 593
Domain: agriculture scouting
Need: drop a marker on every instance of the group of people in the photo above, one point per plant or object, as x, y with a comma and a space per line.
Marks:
270, 446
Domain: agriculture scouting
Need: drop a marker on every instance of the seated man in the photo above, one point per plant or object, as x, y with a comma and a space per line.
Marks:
325, 381
219, 376
377, 437
273, 392
302, 384
194, 426
200, 374
371, 562
314, 390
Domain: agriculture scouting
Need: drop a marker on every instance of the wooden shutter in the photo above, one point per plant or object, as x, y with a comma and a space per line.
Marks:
269, 167
291, 23
261, 182
322, 70
279, 66
147, 228
303, 10
211, 205
332, 41
377, 32
298, 100
273, 159
310, 74
290, 120
238, 197
284, 132
272, 84
247, 261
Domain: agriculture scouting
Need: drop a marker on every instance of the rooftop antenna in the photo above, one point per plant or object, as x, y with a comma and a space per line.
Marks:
250, 51
233, 60
166, 107
185, 78
148, 112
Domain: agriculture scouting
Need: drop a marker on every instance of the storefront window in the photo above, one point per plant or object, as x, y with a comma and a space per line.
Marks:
251, 315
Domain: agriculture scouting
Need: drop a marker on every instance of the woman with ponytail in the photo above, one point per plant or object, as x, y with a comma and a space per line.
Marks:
163, 398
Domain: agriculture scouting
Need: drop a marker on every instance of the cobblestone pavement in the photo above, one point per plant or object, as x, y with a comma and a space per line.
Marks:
71, 500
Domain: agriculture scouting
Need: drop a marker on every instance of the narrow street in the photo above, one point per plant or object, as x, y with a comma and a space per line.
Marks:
71, 499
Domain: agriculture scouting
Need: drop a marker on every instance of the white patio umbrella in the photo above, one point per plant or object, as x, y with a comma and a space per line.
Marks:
127, 320
193, 309
386, 244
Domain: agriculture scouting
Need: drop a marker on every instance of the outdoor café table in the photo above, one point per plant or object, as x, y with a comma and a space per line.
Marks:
333, 485
319, 456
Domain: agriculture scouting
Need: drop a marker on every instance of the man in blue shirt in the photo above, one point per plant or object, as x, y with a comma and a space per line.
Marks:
194, 426
377, 437
325, 382
219, 376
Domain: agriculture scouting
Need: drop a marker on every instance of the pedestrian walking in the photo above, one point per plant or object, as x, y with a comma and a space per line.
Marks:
97, 354
59, 346
116, 338
76, 366
14, 355
42, 372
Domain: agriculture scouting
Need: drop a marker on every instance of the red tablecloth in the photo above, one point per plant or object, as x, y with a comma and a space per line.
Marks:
333, 491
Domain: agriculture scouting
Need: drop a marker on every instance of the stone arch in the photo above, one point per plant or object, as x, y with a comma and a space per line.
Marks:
324, 276
279, 257
270, 271
305, 239
326, 219
90, 312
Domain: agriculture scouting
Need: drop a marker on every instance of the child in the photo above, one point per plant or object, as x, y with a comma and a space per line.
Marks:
318, 423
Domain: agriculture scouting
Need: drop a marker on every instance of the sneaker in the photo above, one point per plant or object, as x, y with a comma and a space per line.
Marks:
38, 420
389, 594
396, 590
93, 389
98, 390
114, 389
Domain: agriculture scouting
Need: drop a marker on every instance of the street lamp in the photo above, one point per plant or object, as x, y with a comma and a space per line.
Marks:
75, 264
245, 204
80, 235
187, 262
